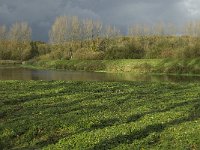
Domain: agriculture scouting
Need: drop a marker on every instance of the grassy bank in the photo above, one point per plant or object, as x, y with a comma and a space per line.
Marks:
166, 66
99, 115
134, 65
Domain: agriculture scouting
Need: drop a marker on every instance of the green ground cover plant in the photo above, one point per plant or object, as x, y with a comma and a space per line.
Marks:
99, 115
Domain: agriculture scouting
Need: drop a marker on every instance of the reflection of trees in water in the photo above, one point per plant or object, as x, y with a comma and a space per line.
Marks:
153, 78
178, 78
28, 74
15, 74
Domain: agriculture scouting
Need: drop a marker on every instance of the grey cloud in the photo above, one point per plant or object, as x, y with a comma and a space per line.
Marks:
41, 13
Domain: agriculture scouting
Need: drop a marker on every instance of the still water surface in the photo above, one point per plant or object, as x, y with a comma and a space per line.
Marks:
16, 73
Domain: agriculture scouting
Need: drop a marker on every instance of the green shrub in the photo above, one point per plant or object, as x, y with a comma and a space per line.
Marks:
86, 54
136, 50
44, 49
192, 51
128, 51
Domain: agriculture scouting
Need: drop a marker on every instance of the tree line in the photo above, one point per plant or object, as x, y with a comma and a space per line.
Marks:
15, 41
66, 29
73, 38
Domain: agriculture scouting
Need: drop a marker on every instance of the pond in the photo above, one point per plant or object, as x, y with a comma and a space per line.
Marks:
17, 73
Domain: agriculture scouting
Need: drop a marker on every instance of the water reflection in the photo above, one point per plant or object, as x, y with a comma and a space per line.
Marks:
14, 73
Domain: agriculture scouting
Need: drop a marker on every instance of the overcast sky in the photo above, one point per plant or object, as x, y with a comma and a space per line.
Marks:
41, 13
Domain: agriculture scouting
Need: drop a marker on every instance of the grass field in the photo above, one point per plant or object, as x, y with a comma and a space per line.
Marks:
99, 115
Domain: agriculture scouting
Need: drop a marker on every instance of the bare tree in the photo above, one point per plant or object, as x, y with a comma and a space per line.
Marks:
88, 28
3, 32
19, 41
135, 30
146, 30
192, 28
159, 29
75, 28
20, 32
197, 28
98, 26
171, 29
111, 31
59, 30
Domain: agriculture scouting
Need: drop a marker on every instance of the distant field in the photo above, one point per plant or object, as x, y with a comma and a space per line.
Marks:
99, 115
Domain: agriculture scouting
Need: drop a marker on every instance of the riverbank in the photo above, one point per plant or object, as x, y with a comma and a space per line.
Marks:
99, 115
137, 66
134, 65
155, 66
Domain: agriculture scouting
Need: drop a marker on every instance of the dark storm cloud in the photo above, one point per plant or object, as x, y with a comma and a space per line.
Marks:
41, 13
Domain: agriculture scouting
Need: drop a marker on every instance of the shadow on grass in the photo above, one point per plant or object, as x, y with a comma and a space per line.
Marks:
48, 94
141, 134
128, 139
105, 123
51, 140
136, 117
